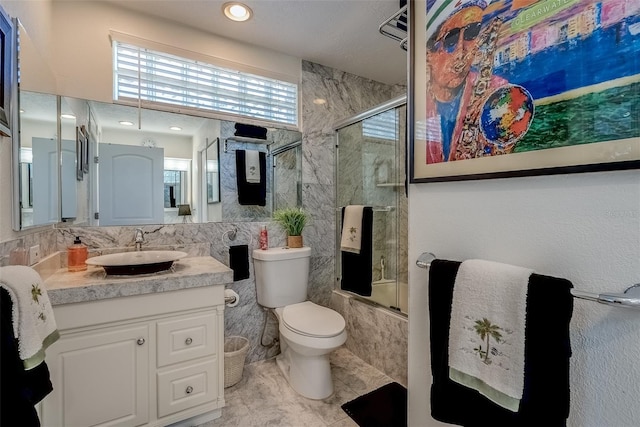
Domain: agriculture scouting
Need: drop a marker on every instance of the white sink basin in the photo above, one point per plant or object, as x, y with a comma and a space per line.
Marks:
139, 262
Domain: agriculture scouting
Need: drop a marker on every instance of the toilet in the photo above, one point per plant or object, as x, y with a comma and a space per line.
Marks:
308, 332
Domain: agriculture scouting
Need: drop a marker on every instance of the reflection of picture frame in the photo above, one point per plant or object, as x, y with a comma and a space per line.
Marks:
81, 147
523, 107
85, 149
7, 72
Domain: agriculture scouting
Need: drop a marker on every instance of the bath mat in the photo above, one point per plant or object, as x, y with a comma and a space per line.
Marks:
384, 407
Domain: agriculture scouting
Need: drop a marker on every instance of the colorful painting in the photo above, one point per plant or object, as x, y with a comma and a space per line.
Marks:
523, 87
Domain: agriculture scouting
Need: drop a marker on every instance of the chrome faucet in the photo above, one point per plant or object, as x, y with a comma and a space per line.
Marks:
139, 238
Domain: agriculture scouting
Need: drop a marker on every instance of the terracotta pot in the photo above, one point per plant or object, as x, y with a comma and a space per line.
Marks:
294, 241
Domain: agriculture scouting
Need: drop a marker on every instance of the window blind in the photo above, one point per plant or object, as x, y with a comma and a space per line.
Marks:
148, 75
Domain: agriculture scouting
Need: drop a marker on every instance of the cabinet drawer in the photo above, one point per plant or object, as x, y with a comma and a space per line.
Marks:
186, 338
183, 388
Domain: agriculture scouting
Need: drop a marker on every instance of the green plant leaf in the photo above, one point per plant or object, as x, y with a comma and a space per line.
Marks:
292, 220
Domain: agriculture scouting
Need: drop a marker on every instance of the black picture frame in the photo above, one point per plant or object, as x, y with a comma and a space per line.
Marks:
568, 150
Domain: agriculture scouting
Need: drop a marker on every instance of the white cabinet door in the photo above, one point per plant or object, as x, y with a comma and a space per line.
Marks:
100, 378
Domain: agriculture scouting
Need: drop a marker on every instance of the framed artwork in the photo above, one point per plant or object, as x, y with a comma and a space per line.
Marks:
7, 72
504, 88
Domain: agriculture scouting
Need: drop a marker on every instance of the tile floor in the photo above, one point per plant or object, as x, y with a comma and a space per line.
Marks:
263, 396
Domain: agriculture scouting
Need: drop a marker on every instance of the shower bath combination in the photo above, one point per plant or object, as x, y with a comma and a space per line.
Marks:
370, 171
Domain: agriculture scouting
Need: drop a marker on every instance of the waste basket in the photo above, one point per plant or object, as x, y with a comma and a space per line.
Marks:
235, 352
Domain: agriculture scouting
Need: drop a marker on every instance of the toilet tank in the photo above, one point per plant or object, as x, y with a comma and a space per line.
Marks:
282, 275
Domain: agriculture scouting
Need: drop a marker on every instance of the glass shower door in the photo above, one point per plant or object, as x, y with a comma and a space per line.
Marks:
370, 171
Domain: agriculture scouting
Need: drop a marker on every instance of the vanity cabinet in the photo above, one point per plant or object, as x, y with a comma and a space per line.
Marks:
153, 359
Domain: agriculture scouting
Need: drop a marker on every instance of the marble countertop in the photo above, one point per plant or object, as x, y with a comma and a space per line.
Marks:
64, 287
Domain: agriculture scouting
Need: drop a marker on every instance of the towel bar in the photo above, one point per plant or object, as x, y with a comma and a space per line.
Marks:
232, 234
629, 299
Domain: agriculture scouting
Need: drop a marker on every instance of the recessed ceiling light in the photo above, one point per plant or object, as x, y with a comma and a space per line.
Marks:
125, 123
236, 11
21, 110
67, 116
175, 128
319, 101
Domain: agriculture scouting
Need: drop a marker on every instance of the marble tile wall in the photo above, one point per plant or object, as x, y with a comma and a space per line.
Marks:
46, 238
287, 179
374, 334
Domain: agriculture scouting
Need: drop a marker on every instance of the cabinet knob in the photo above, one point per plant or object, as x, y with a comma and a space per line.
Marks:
189, 390
140, 341
188, 341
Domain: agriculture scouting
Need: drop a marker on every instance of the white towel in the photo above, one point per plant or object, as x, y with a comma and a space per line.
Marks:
33, 323
352, 229
252, 166
487, 330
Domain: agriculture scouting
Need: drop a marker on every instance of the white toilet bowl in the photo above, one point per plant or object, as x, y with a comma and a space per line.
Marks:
308, 334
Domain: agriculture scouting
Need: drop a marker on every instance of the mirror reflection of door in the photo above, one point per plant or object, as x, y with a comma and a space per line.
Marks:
69, 190
45, 181
131, 184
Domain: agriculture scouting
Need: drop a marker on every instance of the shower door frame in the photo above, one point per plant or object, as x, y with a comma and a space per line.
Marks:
393, 103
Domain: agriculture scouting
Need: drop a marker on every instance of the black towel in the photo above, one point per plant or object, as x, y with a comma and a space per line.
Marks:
239, 261
383, 407
250, 193
250, 131
545, 400
21, 389
357, 269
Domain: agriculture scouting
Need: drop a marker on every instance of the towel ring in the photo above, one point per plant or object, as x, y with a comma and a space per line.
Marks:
232, 234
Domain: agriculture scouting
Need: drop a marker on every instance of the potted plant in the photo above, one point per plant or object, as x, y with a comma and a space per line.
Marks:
292, 221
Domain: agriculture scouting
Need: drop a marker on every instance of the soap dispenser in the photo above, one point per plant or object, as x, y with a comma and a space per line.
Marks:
77, 256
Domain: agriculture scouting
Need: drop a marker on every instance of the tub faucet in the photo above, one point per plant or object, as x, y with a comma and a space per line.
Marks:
139, 238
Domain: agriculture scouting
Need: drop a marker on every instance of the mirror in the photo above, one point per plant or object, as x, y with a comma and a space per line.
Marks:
174, 164
287, 176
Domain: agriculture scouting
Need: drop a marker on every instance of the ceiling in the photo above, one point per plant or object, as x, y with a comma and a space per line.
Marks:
341, 34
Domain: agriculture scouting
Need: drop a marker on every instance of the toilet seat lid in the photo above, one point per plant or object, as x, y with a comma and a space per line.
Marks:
312, 320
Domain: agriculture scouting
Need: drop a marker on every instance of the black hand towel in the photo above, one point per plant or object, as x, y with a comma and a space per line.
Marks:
357, 269
545, 400
239, 261
251, 193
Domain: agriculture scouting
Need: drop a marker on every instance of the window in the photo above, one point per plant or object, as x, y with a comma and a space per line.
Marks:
169, 79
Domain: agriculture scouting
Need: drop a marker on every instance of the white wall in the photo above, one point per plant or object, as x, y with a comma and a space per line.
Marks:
583, 227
